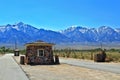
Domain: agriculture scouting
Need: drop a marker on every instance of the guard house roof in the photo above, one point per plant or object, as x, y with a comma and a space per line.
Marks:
40, 43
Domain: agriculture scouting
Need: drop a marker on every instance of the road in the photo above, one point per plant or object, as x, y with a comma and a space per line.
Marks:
114, 68
10, 70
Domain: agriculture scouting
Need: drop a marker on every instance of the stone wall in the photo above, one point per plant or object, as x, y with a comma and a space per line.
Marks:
32, 58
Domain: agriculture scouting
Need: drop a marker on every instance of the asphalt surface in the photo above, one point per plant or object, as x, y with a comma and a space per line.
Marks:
10, 70
114, 68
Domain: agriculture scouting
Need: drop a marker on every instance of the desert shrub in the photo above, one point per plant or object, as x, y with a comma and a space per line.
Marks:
112, 55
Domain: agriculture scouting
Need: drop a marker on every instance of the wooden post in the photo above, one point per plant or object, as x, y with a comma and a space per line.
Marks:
91, 55
22, 60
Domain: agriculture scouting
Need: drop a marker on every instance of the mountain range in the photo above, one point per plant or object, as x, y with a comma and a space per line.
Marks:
24, 33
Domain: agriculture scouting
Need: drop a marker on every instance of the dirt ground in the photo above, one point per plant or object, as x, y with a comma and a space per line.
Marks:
65, 72
1, 55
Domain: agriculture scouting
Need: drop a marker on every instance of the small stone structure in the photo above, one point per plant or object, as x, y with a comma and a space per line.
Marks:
39, 53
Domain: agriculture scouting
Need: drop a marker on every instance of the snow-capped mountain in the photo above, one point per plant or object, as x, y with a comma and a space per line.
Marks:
108, 34
23, 33
81, 34
102, 34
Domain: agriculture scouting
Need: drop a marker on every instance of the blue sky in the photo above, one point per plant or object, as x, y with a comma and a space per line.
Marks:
61, 14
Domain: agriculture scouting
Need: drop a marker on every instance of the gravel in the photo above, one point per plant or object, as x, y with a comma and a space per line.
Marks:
64, 71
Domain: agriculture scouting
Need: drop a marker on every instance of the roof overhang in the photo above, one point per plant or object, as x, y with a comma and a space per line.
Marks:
39, 44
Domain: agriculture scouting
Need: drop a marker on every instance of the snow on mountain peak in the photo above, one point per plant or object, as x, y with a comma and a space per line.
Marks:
2, 29
72, 28
104, 28
16, 27
20, 23
117, 30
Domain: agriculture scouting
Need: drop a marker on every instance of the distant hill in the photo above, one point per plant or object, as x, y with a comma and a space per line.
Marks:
24, 33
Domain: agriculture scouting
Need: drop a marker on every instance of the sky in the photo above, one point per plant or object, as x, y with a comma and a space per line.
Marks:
60, 14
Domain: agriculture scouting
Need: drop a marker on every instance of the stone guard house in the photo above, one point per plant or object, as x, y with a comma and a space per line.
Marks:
39, 53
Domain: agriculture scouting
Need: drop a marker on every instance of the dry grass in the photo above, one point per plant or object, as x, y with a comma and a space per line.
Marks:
89, 55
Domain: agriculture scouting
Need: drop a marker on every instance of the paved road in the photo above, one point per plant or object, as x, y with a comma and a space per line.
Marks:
10, 70
114, 68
